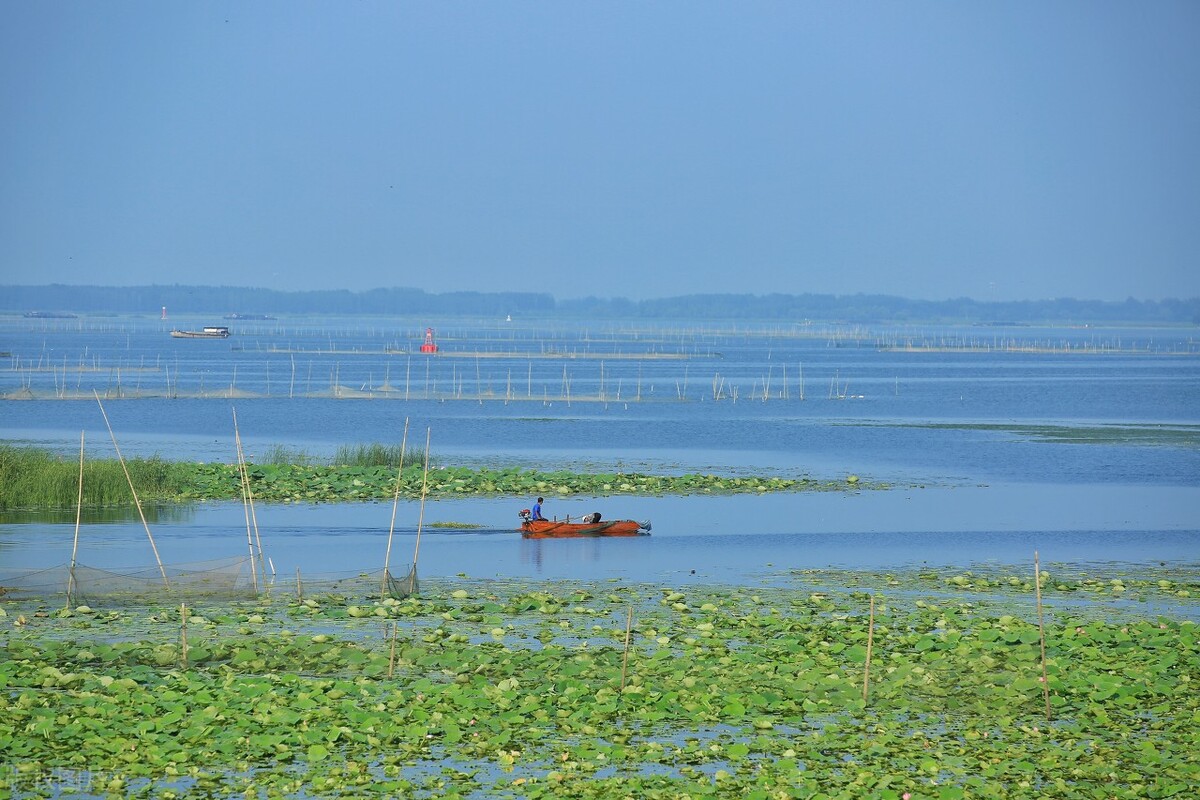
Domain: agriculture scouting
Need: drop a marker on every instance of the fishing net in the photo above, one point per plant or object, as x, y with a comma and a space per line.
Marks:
361, 584
221, 579
192, 582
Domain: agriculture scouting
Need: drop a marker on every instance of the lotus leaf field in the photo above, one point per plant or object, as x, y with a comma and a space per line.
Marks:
300, 483
823, 684
33, 478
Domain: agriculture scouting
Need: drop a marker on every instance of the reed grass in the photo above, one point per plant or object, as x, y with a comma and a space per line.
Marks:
356, 455
376, 455
34, 478
279, 455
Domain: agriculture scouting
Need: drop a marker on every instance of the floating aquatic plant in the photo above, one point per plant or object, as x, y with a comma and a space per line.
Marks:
528, 690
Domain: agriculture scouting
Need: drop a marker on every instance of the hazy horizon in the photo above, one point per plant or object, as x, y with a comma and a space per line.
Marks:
1005, 152
569, 299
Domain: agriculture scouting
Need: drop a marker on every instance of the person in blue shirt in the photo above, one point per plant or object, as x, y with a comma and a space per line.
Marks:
537, 510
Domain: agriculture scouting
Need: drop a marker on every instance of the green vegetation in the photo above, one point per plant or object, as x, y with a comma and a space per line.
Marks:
330, 484
1170, 435
32, 478
525, 690
377, 455
1063, 582
279, 455
35, 479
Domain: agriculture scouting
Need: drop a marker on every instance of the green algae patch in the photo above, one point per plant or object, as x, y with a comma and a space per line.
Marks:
1170, 435
526, 689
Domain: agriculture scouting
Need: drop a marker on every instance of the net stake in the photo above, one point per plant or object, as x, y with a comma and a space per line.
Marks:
78, 515
392, 654
424, 492
244, 482
1037, 583
387, 556
249, 499
625, 658
183, 655
132, 490
870, 640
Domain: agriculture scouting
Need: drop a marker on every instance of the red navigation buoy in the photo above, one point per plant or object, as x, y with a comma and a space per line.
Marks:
429, 346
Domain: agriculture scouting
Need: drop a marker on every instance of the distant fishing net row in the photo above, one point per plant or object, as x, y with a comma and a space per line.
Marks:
196, 581
127, 393
355, 584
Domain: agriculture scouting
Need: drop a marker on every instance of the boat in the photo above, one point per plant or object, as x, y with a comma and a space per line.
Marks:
208, 332
589, 526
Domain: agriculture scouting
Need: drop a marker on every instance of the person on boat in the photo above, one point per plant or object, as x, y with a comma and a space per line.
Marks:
537, 510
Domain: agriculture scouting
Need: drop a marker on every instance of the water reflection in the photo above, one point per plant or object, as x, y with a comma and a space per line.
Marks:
155, 514
562, 553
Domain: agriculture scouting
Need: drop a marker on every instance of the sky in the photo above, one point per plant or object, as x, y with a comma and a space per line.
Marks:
930, 150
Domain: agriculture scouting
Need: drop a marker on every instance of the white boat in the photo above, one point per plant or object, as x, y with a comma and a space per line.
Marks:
208, 332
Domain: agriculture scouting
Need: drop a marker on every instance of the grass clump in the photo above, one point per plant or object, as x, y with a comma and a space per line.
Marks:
279, 455
34, 478
376, 455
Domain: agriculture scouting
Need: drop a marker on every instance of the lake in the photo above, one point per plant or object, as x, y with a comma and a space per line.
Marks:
1080, 443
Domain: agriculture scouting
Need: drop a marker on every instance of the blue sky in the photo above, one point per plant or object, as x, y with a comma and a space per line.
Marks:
1016, 150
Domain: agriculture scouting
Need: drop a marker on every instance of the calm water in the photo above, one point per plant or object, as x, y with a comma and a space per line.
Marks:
968, 423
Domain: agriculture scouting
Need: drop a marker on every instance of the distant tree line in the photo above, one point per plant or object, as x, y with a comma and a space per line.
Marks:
221, 300
885, 308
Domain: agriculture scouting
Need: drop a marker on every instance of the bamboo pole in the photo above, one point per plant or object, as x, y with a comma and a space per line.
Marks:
245, 504
870, 641
132, 490
425, 483
245, 509
299, 587
263, 561
78, 517
625, 658
387, 556
1037, 583
249, 497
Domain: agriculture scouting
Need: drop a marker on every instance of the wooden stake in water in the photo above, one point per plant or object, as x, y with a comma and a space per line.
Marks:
625, 658
299, 587
132, 490
1037, 582
870, 641
387, 556
183, 643
392, 654
78, 517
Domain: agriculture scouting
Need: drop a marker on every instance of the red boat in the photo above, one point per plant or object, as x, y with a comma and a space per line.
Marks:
589, 526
